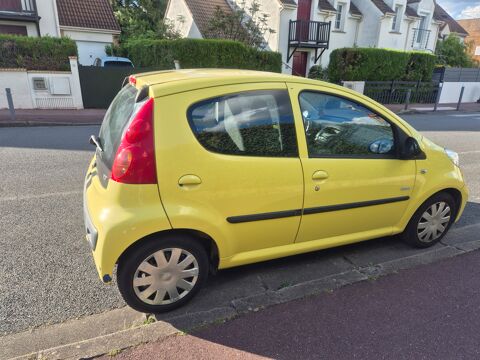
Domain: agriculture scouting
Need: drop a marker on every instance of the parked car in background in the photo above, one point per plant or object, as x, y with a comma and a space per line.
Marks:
113, 61
199, 170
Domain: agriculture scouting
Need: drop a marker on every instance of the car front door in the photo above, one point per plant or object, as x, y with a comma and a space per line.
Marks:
356, 187
228, 165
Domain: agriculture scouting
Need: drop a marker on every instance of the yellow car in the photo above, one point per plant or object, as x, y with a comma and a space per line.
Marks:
199, 170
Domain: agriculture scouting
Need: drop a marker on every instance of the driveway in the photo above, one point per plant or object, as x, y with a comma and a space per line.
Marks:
48, 273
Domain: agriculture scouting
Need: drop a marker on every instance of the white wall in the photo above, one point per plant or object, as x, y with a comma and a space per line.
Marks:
17, 81
31, 27
370, 26
25, 97
90, 43
180, 16
48, 17
338, 38
272, 8
286, 14
89, 51
451, 92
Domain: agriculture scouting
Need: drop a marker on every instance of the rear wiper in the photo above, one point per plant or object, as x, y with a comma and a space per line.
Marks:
94, 140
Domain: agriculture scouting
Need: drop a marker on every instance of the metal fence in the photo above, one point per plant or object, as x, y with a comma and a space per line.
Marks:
395, 92
457, 75
101, 84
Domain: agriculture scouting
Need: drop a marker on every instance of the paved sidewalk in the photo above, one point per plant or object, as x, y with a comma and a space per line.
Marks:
400, 108
52, 117
429, 312
95, 116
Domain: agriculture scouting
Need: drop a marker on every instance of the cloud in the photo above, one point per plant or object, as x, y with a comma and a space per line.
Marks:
456, 7
470, 12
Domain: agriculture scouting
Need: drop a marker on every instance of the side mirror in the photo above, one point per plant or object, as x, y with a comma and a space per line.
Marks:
411, 149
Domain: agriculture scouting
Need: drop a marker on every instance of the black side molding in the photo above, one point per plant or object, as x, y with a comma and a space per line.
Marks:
310, 211
264, 216
322, 209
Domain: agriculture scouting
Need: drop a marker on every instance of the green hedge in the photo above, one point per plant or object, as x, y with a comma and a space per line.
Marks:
36, 53
371, 64
199, 53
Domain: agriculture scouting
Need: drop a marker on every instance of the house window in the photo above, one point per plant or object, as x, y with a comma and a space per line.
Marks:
397, 20
421, 32
339, 16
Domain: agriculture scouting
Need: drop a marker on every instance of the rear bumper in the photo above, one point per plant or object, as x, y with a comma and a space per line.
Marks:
118, 216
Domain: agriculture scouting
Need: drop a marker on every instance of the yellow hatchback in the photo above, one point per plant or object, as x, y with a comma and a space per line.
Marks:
199, 170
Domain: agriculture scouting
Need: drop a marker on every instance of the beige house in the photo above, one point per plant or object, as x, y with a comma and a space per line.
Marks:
306, 31
91, 23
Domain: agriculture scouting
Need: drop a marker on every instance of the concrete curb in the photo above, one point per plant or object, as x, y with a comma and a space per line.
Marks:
158, 330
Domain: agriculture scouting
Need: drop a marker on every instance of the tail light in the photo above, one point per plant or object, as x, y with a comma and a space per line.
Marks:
134, 162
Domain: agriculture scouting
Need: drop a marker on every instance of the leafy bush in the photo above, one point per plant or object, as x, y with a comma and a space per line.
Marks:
371, 64
453, 52
200, 53
318, 73
45, 53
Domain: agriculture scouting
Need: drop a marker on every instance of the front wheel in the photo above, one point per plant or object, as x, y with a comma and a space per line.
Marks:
162, 274
431, 221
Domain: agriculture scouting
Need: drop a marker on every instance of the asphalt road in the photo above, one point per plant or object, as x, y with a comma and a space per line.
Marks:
47, 271
429, 312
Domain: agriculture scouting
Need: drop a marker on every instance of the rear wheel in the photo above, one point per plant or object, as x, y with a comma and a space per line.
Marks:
162, 274
431, 221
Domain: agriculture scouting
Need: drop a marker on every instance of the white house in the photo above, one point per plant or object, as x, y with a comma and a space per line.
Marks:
306, 31
91, 23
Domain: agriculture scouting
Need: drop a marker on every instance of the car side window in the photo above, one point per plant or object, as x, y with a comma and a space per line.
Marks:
337, 127
253, 123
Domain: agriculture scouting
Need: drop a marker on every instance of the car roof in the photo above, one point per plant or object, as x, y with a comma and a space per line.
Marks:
174, 81
115, 58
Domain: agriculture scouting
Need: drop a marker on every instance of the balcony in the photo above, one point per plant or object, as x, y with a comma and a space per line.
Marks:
308, 34
25, 10
420, 39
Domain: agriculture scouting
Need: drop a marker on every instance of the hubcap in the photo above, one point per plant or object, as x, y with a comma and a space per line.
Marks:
166, 276
434, 222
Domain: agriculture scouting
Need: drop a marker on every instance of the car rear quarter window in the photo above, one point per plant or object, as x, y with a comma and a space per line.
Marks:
115, 121
254, 123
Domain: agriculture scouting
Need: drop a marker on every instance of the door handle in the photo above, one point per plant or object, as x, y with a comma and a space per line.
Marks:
320, 175
187, 180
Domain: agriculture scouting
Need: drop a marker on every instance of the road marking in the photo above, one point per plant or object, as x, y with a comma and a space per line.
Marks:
40, 196
469, 152
464, 115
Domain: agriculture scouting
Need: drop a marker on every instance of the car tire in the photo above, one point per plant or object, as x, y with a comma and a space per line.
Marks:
431, 221
162, 274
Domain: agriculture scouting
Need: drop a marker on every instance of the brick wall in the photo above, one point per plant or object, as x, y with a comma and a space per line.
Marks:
473, 28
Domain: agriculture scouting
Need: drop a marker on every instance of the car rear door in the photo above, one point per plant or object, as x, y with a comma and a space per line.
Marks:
356, 187
228, 165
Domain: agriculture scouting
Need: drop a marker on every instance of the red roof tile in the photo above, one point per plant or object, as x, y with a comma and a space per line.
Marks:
92, 14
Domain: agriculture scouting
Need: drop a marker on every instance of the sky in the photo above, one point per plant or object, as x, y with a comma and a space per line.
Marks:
461, 9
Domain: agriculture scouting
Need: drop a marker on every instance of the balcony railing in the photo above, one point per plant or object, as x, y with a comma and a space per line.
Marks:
17, 8
420, 38
308, 34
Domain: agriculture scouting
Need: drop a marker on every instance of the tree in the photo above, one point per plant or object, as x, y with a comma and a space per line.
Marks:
453, 52
143, 19
245, 24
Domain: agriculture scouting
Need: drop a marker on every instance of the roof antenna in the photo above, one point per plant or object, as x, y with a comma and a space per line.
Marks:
177, 64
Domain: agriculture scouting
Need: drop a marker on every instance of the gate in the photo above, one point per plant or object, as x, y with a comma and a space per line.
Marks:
101, 84
395, 92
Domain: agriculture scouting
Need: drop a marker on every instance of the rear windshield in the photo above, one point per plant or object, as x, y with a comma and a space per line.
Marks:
117, 64
115, 121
